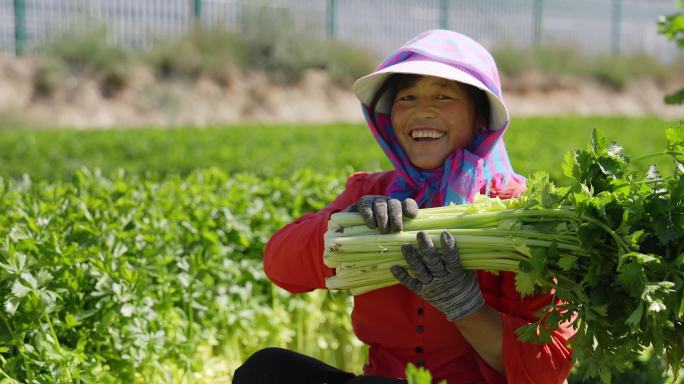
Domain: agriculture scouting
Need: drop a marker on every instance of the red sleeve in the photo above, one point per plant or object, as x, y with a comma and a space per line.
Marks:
524, 362
533, 363
293, 257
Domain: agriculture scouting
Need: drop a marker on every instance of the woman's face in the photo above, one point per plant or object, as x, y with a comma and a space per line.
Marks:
431, 118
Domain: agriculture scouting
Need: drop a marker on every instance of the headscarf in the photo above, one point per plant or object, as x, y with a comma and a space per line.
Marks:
467, 171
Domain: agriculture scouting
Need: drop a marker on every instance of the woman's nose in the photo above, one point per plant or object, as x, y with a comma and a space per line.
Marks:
425, 109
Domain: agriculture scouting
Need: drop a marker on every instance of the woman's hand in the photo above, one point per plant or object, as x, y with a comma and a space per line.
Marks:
440, 278
383, 212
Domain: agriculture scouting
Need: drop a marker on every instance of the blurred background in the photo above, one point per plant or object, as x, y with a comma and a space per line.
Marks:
150, 148
123, 62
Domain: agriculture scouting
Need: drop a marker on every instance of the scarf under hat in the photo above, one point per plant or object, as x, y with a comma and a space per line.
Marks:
467, 171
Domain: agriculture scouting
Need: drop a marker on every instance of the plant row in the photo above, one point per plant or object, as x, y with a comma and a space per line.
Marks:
117, 279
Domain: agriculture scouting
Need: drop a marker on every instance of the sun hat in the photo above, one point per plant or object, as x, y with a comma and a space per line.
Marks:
467, 69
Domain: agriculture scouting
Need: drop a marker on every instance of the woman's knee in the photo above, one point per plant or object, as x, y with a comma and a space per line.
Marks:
267, 356
278, 365
262, 360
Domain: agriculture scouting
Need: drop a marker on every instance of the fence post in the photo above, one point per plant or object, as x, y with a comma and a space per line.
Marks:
616, 21
444, 14
19, 27
197, 11
331, 13
538, 9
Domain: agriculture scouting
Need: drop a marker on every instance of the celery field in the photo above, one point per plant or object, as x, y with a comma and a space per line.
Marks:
135, 255
533, 144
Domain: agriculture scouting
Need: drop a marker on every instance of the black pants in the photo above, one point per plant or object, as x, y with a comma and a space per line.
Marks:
282, 366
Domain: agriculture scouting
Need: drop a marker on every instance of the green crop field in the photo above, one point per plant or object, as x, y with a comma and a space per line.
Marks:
135, 254
534, 144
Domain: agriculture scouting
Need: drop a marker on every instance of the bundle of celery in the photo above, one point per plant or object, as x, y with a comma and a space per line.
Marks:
610, 245
492, 234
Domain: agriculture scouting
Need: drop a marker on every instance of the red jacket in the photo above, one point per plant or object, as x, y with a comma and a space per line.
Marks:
399, 326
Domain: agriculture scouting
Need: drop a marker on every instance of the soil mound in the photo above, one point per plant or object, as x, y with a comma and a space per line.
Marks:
84, 102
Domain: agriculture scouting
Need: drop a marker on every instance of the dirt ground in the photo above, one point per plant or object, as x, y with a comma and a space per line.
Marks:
79, 101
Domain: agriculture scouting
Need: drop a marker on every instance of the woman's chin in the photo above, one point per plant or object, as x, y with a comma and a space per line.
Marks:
428, 165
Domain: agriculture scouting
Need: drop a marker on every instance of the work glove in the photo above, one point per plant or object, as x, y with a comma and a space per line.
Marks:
440, 277
384, 213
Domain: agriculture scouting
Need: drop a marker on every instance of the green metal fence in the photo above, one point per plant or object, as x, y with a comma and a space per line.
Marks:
602, 26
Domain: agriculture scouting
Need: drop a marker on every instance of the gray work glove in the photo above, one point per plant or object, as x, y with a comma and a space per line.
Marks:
440, 278
384, 213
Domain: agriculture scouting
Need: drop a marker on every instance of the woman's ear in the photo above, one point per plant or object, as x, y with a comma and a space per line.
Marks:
479, 124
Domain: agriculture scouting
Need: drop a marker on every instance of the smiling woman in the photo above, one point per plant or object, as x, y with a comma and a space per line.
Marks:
436, 110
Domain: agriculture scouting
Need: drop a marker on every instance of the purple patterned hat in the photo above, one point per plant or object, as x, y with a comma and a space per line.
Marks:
444, 54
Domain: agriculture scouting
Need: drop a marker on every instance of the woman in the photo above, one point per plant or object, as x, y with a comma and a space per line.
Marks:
436, 109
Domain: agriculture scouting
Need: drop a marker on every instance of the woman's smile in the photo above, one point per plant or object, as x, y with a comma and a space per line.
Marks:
426, 134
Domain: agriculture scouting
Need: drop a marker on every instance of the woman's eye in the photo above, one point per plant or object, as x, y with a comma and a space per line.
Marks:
443, 97
406, 98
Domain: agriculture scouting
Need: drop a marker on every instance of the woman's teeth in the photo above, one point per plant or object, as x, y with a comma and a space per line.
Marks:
418, 134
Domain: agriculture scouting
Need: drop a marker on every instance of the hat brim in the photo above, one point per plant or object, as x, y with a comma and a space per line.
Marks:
366, 87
